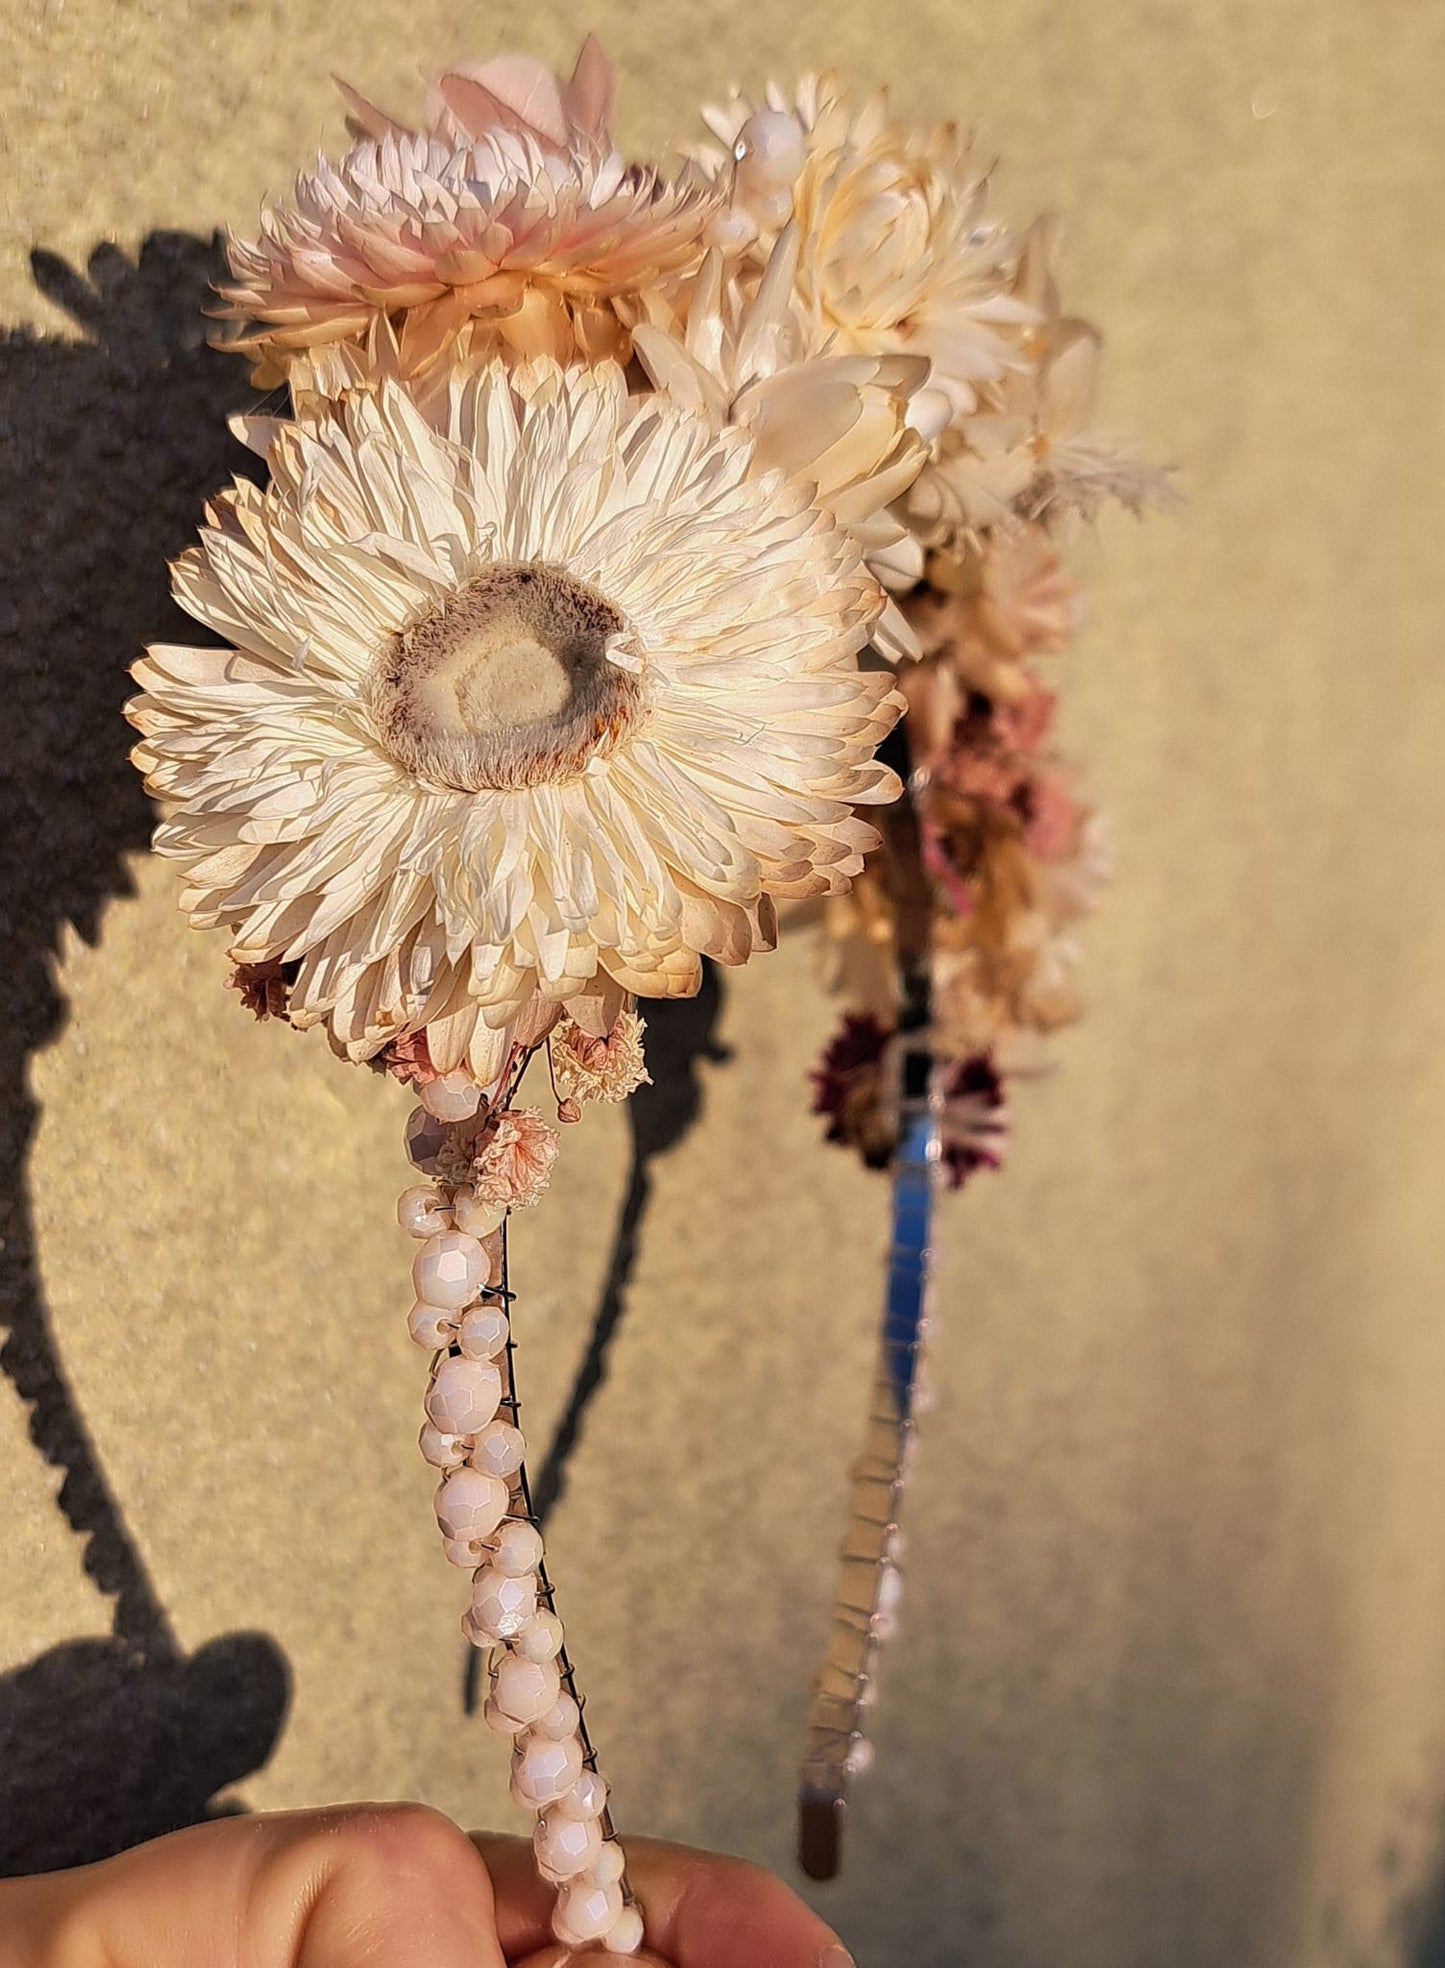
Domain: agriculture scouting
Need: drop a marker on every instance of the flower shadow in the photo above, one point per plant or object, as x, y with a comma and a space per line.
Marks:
681, 1034
108, 447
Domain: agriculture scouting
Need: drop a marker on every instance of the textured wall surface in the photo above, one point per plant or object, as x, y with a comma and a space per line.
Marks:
1170, 1691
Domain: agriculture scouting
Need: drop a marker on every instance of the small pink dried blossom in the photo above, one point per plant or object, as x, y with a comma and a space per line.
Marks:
1009, 601
409, 1060
515, 1164
1054, 814
599, 1069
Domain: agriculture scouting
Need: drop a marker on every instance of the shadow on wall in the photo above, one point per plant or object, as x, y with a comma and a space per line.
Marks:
108, 447
681, 1033
1418, 1925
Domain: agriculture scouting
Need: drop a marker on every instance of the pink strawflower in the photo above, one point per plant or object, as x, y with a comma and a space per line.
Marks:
999, 756
510, 206
515, 1163
1007, 599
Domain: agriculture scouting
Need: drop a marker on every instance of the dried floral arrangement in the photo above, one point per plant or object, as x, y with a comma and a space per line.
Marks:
639, 553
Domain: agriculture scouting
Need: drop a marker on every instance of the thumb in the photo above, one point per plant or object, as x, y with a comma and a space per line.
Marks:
370, 1886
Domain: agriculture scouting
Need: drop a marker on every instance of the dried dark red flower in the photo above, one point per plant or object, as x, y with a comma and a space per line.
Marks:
975, 1118
848, 1087
851, 1087
265, 988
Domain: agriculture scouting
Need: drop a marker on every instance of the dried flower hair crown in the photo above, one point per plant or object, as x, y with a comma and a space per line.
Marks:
613, 523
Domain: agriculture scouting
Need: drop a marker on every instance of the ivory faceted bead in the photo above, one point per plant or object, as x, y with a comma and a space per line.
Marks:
566, 1847
422, 1213
586, 1799
463, 1556
859, 1760
464, 1395
500, 1724
624, 1936
609, 1865
890, 1590
517, 1548
543, 1772
477, 1218
441, 1448
500, 1449
525, 1689
541, 1638
585, 1913
450, 1269
501, 1606
470, 1505
451, 1096
483, 1332
561, 1720
430, 1326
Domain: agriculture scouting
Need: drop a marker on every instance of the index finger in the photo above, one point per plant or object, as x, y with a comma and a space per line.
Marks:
700, 1910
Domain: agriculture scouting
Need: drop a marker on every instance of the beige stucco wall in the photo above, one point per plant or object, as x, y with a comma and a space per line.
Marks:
1170, 1691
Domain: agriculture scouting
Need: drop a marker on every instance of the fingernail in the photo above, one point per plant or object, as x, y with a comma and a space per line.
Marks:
837, 1956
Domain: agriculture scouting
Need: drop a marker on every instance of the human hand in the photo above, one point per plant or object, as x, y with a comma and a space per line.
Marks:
384, 1886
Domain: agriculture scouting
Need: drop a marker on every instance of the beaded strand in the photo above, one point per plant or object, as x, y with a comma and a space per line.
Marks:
472, 1437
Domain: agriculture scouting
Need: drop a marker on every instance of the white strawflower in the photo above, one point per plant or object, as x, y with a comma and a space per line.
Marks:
548, 694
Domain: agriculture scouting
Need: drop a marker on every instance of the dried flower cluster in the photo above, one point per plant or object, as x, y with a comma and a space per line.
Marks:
885, 243
555, 636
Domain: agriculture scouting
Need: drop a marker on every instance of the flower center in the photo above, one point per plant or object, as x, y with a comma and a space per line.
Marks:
505, 684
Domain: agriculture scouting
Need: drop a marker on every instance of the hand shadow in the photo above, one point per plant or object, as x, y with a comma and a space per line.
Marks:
108, 448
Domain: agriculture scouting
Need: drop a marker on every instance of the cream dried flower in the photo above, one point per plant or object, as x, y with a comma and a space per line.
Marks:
515, 1165
511, 203
899, 252
740, 355
610, 1068
549, 696
1031, 450
1005, 600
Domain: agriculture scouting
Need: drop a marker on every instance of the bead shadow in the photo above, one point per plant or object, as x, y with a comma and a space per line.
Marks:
108, 448
1416, 1926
